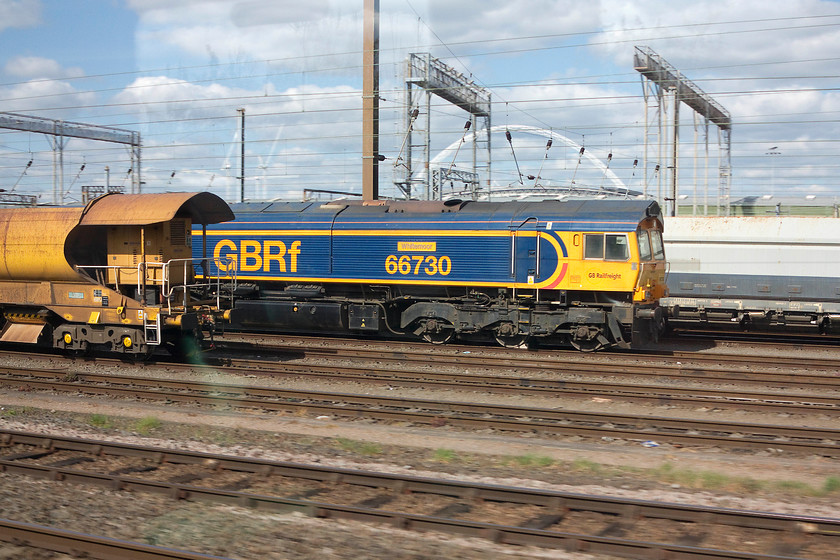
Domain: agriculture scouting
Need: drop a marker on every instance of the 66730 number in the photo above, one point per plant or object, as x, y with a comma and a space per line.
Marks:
417, 264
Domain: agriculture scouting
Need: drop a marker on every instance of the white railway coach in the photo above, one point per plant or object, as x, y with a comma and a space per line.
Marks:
754, 271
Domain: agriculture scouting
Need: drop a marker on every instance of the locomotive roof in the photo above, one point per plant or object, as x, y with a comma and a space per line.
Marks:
577, 210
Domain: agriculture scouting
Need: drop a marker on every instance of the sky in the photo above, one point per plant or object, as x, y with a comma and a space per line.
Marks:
178, 71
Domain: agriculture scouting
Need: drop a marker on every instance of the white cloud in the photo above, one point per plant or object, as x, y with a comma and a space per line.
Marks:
19, 13
720, 34
38, 67
34, 95
193, 128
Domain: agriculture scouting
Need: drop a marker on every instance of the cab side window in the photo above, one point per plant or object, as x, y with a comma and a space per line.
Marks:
656, 243
593, 246
611, 247
616, 248
644, 246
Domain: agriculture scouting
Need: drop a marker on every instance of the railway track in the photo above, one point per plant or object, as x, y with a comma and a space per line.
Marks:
774, 391
778, 393
510, 515
784, 395
702, 365
88, 546
439, 413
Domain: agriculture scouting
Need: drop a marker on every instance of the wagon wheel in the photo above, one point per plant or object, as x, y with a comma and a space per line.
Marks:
586, 339
437, 331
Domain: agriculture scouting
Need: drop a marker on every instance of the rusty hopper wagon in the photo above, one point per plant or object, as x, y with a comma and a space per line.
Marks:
116, 275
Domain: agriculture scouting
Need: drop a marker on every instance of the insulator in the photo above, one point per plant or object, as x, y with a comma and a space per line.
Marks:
415, 113
507, 135
28, 165
82, 168
173, 174
531, 177
548, 144
467, 125
609, 157
582, 150
635, 162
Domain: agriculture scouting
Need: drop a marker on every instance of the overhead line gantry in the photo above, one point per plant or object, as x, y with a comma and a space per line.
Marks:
61, 130
669, 83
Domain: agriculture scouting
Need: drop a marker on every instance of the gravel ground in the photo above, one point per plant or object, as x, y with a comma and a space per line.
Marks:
761, 481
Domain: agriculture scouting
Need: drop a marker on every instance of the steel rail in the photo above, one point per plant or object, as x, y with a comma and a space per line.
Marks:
788, 402
741, 399
82, 545
781, 380
540, 356
721, 367
558, 504
812, 440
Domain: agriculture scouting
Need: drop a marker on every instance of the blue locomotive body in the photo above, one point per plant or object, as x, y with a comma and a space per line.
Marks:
513, 270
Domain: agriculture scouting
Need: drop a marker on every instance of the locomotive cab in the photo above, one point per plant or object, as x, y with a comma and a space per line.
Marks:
650, 285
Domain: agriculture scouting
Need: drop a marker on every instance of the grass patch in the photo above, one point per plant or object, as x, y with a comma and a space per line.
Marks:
831, 485
366, 448
13, 412
709, 480
532, 461
147, 425
588, 467
445, 455
100, 421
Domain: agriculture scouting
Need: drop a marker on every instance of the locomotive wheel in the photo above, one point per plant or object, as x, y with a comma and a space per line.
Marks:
513, 341
586, 339
437, 331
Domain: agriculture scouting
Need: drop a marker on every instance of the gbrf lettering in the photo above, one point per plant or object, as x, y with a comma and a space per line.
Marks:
251, 256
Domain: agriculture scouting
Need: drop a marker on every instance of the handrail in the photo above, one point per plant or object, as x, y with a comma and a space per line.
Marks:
226, 268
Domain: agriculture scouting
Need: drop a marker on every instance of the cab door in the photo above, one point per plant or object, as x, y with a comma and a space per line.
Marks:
525, 251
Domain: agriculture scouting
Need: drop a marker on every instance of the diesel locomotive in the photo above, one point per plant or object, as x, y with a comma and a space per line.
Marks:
116, 275
586, 272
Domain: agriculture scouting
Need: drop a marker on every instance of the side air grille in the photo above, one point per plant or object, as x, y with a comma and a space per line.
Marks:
178, 232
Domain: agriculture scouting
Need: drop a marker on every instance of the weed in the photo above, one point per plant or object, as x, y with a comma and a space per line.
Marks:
100, 421
831, 484
147, 425
533, 461
359, 447
11, 412
445, 455
587, 466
